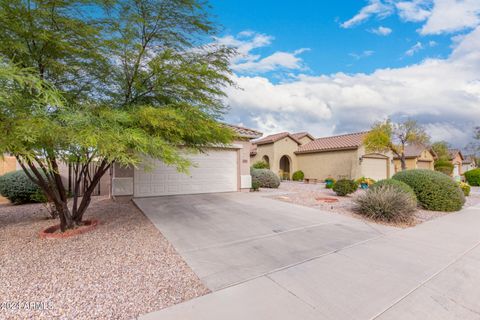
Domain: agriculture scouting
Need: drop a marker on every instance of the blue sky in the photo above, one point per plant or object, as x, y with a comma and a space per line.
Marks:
332, 67
317, 25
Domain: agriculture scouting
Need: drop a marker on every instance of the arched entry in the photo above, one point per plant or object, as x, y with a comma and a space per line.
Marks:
267, 160
285, 167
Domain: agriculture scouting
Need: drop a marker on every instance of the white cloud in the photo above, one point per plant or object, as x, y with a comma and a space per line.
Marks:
247, 62
381, 31
452, 15
414, 49
373, 8
439, 16
364, 54
443, 94
415, 11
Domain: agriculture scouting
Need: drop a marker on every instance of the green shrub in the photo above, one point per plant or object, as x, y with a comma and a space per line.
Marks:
465, 188
386, 203
397, 184
19, 189
261, 165
345, 186
298, 175
255, 185
444, 166
473, 177
434, 190
265, 178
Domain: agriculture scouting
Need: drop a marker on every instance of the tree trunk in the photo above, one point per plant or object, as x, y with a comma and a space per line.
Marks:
50, 181
403, 161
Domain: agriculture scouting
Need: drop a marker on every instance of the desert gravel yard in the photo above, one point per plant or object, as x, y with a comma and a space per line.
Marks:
120, 270
317, 196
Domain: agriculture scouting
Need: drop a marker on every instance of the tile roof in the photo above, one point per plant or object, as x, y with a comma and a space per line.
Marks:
413, 151
341, 142
452, 153
245, 132
300, 135
274, 138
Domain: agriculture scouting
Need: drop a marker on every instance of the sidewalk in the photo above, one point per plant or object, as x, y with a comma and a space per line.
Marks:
431, 271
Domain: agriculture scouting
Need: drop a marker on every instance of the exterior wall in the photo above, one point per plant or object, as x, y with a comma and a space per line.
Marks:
275, 151
285, 147
7, 164
123, 177
457, 162
244, 164
412, 163
331, 164
264, 150
305, 140
468, 167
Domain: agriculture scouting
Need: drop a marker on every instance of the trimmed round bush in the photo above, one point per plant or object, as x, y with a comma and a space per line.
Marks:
298, 175
397, 185
434, 190
473, 177
444, 166
386, 203
265, 178
261, 165
19, 189
344, 187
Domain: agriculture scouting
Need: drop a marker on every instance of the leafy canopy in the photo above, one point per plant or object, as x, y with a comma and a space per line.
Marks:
389, 136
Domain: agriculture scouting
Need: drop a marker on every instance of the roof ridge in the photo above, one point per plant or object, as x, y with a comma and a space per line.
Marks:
343, 135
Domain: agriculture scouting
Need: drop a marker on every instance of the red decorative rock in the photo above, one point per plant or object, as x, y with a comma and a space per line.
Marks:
52, 232
327, 199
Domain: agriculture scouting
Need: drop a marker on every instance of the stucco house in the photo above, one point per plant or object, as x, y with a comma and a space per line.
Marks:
8, 164
342, 156
278, 150
219, 169
417, 157
469, 163
456, 157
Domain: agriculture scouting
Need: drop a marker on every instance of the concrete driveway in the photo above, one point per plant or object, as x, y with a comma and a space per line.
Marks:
265, 259
232, 237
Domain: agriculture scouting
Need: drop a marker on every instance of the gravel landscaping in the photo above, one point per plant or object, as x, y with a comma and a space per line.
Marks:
317, 196
120, 270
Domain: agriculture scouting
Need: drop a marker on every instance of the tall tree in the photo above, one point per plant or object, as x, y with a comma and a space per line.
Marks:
132, 80
394, 137
441, 150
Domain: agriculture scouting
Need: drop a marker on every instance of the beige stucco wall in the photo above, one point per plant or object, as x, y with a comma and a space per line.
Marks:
7, 164
275, 151
305, 140
457, 161
334, 164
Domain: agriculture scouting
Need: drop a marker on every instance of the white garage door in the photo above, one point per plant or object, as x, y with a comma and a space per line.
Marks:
374, 168
214, 172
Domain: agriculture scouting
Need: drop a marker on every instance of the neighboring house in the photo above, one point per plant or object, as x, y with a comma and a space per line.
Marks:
456, 157
220, 169
469, 163
342, 156
7, 164
417, 157
278, 150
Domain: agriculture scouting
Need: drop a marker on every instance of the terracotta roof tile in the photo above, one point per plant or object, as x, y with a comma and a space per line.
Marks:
300, 135
245, 132
274, 138
341, 142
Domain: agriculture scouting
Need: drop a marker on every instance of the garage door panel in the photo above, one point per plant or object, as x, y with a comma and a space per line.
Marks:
375, 168
212, 172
